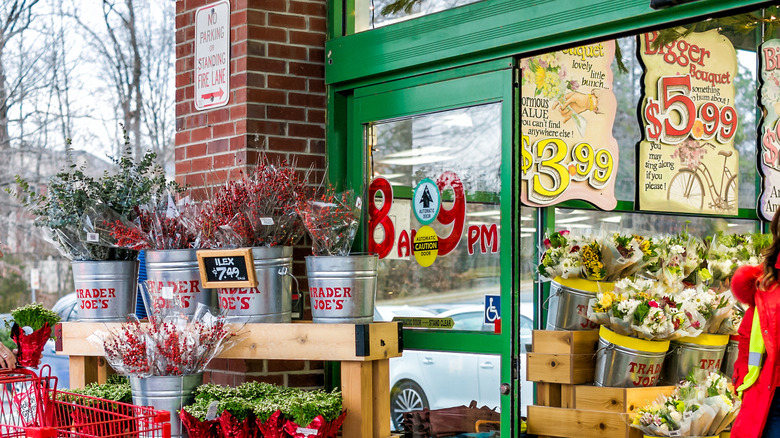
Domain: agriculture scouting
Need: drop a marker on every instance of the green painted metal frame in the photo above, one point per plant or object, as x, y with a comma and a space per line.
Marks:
493, 29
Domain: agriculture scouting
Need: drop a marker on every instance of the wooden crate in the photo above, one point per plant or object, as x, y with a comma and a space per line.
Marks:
569, 369
594, 412
595, 398
565, 342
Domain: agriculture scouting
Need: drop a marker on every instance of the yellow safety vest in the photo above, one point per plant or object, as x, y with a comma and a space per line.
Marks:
757, 350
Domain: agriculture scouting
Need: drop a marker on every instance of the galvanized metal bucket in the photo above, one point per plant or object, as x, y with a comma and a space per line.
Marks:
568, 303
166, 393
342, 289
178, 269
626, 362
105, 290
686, 354
730, 357
271, 300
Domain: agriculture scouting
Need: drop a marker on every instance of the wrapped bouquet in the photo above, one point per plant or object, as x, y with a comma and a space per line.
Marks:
647, 309
332, 221
259, 210
702, 405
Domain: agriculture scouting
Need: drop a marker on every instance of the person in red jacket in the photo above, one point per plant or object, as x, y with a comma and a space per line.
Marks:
759, 288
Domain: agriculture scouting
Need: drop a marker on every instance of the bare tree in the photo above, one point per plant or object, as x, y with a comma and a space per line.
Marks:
135, 50
15, 18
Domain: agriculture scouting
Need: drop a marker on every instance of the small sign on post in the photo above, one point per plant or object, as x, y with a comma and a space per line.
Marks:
227, 268
212, 55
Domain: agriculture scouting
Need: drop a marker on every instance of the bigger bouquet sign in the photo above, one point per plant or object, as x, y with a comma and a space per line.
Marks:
769, 164
568, 109
687, 161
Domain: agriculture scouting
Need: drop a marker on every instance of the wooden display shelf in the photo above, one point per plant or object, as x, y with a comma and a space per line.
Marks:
364, 351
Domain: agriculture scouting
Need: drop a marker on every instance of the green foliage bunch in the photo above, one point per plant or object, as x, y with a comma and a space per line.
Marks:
74, 201
263, 400
34, 316
117, 388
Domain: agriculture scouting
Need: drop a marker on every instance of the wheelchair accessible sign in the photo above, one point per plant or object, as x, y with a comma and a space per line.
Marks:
492, 308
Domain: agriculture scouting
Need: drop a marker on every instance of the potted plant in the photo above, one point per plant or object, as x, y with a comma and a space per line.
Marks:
272, 410
259, 212
31, 328
342, 286
164, 360
72, 214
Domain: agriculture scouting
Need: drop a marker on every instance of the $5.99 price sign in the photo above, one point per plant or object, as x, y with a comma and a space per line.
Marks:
674, 117
549, 167
686, 160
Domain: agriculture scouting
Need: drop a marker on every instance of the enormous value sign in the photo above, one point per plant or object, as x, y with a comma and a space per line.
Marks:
769, 162
212, 55
687, 161
567, 112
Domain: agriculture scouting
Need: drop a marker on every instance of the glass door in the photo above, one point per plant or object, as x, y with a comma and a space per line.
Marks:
435, 155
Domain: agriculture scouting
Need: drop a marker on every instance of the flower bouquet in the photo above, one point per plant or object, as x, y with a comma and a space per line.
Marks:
171, 344
31, 328
679, 257
162, 224
331, 220
702, 405
561, 256
255, 211
646, 309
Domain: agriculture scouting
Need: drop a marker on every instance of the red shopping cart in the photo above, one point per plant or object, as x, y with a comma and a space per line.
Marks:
31, 407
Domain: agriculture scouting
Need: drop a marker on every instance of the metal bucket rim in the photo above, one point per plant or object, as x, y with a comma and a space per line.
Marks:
631, 351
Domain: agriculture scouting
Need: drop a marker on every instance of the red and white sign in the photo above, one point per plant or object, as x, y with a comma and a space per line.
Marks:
212, 55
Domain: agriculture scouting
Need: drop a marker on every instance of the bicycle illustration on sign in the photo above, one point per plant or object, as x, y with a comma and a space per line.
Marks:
686, 185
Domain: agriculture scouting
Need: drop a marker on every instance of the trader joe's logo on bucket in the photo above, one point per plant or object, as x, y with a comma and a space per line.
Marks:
644, 374
329, 298
95, 298
184, 290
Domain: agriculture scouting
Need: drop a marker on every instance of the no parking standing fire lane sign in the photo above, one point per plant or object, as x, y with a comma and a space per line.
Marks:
212, 55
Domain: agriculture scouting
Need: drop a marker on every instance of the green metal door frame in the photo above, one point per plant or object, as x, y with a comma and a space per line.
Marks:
475, 85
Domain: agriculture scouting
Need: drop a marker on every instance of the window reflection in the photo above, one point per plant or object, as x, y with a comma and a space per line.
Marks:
442, 382
465, 146
372, 14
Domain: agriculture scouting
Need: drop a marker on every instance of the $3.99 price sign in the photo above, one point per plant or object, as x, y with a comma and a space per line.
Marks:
550, 166
673, 117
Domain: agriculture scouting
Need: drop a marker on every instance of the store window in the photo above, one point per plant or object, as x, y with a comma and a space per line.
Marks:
372, 14
459, 152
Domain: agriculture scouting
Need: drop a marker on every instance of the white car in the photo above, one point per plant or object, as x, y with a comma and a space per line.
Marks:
436, 379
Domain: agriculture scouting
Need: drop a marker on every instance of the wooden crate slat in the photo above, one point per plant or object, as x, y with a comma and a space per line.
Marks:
560, 368
561, 422
565, 342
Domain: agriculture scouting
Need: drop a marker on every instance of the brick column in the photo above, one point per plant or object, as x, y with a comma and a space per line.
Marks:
276, 107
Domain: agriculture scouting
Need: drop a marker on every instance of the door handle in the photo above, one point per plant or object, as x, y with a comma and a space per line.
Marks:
486, 365
428, 360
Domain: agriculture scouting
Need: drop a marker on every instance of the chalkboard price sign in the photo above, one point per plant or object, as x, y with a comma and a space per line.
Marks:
227, 268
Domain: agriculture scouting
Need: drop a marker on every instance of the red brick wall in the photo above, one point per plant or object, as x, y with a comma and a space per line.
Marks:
276, 108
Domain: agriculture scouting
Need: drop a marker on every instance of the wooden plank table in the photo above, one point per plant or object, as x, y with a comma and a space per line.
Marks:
364, 351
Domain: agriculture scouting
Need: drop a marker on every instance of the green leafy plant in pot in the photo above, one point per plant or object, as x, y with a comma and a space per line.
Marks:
75, 210
31, 328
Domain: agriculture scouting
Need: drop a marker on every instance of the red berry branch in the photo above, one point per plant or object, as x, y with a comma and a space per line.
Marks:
259, 210
332, 220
